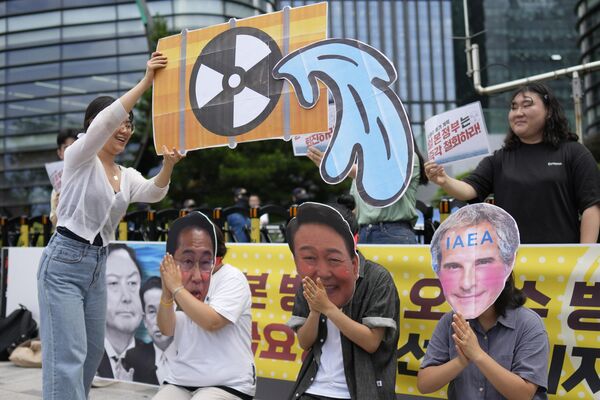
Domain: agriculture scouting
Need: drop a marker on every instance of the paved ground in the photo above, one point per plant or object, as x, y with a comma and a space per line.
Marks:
26, 384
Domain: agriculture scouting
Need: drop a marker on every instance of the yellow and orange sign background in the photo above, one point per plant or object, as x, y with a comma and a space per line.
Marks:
563, 283
306, 25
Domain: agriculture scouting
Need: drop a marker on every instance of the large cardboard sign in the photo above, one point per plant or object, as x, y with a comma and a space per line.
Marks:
371, 128
561, 281
217, 88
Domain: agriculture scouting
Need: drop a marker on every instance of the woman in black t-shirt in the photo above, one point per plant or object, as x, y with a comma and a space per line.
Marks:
542, 176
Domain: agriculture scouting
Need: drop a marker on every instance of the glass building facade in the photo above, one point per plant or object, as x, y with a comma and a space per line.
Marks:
520, 38
588, 27
58, 55
415, 35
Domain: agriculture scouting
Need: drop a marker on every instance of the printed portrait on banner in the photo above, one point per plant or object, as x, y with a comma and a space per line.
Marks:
134, 348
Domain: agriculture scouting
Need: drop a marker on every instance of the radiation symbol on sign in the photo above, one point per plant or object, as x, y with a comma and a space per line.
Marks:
231, 87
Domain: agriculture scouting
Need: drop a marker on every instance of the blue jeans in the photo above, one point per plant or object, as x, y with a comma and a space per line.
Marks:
72, 297
387, 233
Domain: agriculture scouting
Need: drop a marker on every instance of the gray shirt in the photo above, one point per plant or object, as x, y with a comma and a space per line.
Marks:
518, 342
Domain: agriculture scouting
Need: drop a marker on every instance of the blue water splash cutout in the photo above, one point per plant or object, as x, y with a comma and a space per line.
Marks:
372, 127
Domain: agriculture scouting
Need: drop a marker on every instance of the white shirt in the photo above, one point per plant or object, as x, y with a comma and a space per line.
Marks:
112, 354
331, 380
88, 205
161, 360
223, 357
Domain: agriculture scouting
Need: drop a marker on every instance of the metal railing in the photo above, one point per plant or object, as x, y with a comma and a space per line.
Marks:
153, 225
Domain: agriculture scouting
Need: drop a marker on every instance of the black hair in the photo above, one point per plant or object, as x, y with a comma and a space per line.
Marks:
65, 134
423, 180
154, 282
510, 297
122, 246
191, 221
316, 213
221, 247
556, 128
345, 205
94, 108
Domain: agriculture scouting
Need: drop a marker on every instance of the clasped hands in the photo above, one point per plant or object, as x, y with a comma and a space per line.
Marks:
170, 275
465, 340
316, 296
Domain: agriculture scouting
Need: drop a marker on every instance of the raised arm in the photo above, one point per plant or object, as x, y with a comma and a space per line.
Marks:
199, 312
156, 61
307, 333
458, 189
166, 312
108, 120
169, 160
316, 156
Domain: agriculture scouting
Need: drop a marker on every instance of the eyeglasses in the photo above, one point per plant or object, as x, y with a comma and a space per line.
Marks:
188, 264
127, 125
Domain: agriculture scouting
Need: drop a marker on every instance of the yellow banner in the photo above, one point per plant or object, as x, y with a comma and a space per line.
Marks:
218, 89
562, 283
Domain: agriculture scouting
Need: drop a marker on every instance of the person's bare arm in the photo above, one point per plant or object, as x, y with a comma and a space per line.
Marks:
316, 156
166, 312
590, 224
433, 378
157, 61
458, 189
307, 333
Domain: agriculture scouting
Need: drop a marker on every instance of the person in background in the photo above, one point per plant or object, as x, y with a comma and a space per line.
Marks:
392, 224
299, 196
189, 204
239, 222
95, 194
64, 139
254, 201
542, 176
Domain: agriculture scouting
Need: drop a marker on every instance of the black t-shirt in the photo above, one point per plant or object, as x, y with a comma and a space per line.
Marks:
543, 188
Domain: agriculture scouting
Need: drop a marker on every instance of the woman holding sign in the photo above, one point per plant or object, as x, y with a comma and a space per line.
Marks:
392, 224
542, 176
94, 197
